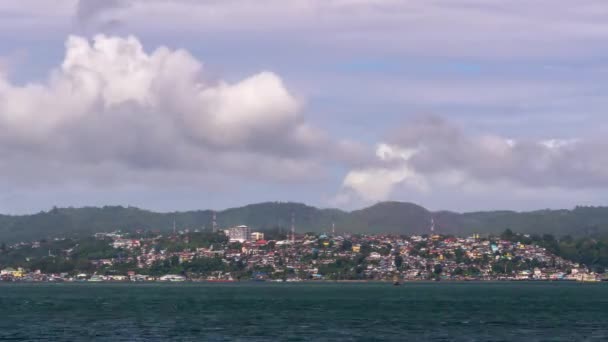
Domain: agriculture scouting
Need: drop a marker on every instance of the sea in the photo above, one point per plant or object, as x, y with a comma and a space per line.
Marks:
257, 311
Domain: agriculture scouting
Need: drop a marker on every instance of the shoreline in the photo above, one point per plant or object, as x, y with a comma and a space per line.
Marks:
387, 282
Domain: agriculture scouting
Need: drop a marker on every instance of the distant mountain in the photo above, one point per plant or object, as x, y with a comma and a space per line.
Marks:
385, 217
391, 217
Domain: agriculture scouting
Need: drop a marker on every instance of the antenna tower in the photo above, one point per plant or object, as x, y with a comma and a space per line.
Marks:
293, 226
214, 223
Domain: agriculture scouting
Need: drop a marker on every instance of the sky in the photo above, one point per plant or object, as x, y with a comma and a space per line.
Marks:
167, 105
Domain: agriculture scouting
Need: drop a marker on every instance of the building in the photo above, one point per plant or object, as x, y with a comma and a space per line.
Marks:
8, 271
15, 273
255, 236
239, 233
126, 243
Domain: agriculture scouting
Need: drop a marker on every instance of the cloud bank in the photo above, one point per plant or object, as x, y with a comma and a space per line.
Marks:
431, 154
515, 74
113, 113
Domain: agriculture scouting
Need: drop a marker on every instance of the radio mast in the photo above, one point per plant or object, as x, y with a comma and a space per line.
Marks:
293, 226
214, 223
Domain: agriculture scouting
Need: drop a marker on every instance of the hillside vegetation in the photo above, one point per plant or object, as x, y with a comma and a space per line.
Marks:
385, 217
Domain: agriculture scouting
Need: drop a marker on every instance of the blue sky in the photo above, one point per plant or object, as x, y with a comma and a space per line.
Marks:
314, 101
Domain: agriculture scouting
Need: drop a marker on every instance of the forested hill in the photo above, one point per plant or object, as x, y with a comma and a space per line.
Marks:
385, 217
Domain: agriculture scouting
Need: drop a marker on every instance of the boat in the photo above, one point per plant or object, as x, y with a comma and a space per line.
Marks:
81, 277
172, 278
96, 278
396, 281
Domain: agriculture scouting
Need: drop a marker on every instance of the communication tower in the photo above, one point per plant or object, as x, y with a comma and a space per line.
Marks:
293, 226
214, 223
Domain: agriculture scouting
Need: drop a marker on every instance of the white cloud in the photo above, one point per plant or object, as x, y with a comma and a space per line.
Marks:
376, 183
114, 106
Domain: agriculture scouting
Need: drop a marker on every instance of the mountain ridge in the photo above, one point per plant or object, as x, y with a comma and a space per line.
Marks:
383, 217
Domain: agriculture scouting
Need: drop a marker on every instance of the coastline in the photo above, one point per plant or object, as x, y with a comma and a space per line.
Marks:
312, 282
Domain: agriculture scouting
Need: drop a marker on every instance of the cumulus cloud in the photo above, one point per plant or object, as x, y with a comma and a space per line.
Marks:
430, 154
113, 106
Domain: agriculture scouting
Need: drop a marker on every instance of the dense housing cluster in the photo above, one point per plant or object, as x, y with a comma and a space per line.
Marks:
237, 254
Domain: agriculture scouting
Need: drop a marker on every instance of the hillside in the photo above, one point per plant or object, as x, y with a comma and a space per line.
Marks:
389, 217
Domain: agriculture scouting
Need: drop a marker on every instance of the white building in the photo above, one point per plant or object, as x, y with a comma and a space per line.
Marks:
239, 234
125, 243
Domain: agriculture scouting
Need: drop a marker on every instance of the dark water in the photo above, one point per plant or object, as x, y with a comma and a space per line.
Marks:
304, 312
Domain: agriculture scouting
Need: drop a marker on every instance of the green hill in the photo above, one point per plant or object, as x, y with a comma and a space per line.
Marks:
385, 217
390, 217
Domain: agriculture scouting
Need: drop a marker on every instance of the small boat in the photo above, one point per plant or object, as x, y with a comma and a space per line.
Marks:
396, 281
96, 278
172, 278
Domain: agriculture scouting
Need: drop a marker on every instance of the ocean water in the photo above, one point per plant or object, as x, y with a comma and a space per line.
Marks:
304, 312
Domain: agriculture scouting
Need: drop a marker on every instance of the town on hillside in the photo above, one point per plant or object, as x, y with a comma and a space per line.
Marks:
240, 254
